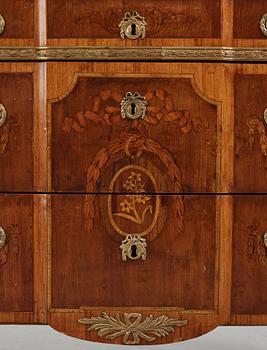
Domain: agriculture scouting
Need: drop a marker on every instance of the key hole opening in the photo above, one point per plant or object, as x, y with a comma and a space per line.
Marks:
134, 251
133, 29
133, 109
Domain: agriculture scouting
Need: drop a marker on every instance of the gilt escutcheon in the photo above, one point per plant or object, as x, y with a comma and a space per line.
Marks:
2, 24
133, 26
133, 106
133, 247
3, 115
2, 237
263, 24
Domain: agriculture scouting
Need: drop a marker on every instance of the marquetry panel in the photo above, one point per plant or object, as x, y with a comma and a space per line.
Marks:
178, 136
16, 255
16, 131
17, 20
249, 256
166, 20
86, 251
247, 17
250, 132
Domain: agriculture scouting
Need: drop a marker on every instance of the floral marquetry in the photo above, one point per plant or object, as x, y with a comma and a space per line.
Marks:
136, 206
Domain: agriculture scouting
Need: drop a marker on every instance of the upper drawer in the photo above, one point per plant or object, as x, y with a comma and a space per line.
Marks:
108, 117
250, 22
16, 22
136, 22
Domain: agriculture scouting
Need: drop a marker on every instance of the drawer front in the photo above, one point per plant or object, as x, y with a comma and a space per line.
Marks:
93, 249
16, 20
158, 19
173, 129
16, 254
16, 131
248, 15
101, 271
250, 131
250, 257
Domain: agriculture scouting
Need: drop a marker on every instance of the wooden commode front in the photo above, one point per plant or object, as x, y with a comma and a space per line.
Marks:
133, 151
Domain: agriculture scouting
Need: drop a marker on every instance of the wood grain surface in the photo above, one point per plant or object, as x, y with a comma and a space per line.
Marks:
247, 17
192, 122
250, 130
17, 132
172, 23
165, 19
75, 90
197, 163
16, 269
21, 22
200, 323
249, 256
89, 265
178, 122
19, 18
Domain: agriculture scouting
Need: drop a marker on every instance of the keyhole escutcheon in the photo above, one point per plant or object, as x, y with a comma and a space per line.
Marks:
133, 108
133, 32
134, 251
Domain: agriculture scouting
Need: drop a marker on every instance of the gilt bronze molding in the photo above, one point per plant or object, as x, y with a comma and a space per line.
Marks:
97, 53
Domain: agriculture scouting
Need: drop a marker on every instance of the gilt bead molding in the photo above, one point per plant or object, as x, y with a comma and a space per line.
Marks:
92, 53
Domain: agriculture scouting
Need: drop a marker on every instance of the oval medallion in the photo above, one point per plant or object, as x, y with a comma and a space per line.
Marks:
135, 211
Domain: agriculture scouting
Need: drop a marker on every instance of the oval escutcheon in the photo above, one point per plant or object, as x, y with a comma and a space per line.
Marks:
135, 210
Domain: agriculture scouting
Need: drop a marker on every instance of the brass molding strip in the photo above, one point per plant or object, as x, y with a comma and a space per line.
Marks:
96, 53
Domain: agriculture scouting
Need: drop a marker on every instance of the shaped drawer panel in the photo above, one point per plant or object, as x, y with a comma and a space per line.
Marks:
249, 257
108, 252
161, 122
16, 130
122, 23
16, 254
17, 22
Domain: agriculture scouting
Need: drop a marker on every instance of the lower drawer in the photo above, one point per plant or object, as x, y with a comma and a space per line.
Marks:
129, 254
96, 258
16, 255
249, 277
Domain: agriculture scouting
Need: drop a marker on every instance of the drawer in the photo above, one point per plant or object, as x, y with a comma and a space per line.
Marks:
248, 15
156, 119
103, 267
16, 22
16, 256
250, 84
16, 128
249, 259
126, 23
135, 162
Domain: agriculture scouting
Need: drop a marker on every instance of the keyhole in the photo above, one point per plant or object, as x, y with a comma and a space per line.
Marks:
134, 251
133, 109
133, 29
